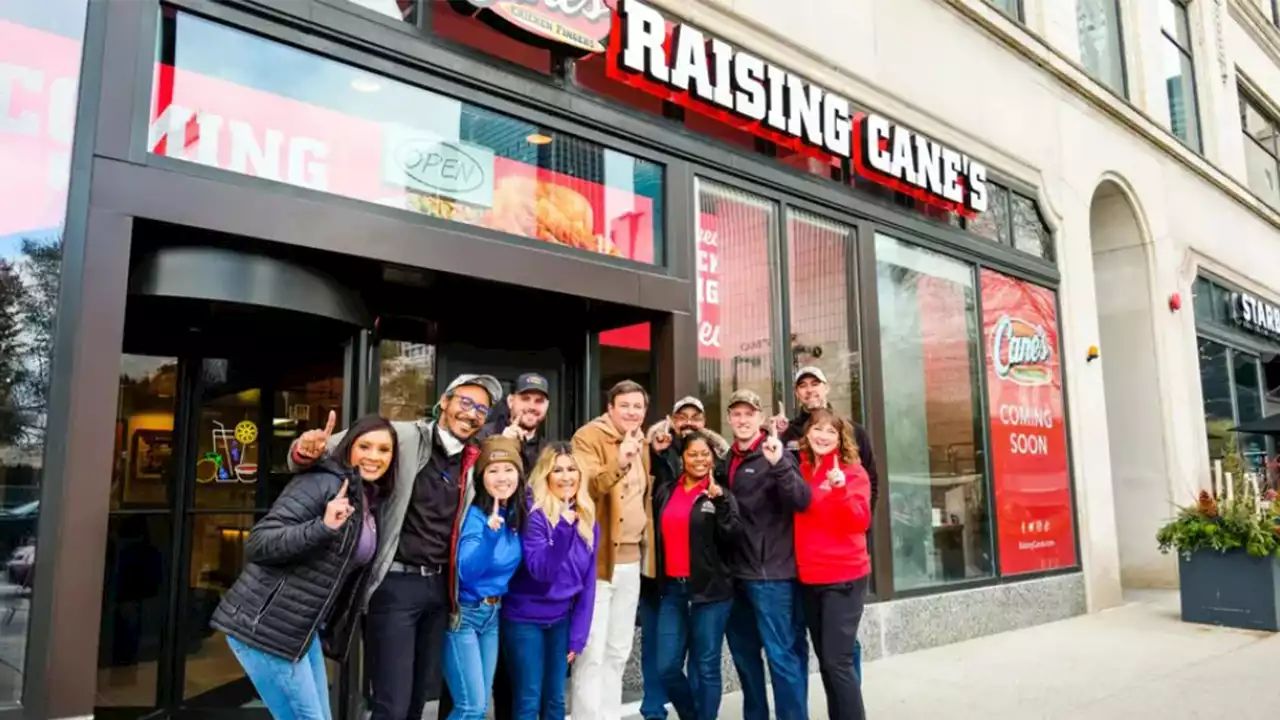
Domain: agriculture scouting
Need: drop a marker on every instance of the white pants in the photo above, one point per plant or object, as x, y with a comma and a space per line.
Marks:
597, 675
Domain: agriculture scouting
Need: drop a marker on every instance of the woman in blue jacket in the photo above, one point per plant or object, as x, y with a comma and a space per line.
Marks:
488, 555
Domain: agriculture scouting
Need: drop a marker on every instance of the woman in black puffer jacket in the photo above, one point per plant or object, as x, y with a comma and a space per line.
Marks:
307, 564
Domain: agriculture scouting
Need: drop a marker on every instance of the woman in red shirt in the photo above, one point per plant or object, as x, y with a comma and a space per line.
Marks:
697, 525
831, 555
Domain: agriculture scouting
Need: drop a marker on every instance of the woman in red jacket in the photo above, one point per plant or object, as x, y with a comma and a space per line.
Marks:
831, 555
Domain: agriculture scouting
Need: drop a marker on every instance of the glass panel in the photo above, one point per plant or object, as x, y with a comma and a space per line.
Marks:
1249, 407
1101, 47
40, 46
1221, 303
1257, 125
1029, 232
1215, 385
135, 610
447, 22
143, 472
228, 436
1262, 168
1202, 298
234, 101
407, 379
1180, 83
1175, 22
304, 395
625, 355
818, 289
214, 678
933, 414
744, 228
1008, 7
994, 224
406, 10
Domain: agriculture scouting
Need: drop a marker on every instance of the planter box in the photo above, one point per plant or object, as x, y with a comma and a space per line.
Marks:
1232, 589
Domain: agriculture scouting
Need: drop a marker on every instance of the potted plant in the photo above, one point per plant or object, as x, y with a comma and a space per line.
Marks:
1228, 558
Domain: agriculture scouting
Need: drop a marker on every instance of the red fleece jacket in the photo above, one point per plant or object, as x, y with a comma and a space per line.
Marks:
831, 536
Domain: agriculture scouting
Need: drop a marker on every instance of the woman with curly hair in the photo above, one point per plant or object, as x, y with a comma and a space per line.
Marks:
831, 555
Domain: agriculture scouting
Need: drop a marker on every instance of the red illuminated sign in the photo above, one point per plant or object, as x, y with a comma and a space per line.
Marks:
704, 74
579, 26
1028, 428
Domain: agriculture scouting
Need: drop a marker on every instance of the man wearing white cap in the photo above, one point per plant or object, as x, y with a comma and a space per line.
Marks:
407, 598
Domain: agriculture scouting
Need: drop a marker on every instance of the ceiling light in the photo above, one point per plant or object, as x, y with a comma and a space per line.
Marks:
538, 139
365, 85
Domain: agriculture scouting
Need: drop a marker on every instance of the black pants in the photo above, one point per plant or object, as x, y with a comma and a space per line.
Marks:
404, 645
833, 613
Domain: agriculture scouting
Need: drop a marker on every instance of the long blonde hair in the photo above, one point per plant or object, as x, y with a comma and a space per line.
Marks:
550, 503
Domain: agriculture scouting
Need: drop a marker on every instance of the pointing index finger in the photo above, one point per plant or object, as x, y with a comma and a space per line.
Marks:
333, 421
342, 491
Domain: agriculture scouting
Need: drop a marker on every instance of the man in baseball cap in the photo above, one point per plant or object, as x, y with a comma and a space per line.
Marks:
521, 417
407, 593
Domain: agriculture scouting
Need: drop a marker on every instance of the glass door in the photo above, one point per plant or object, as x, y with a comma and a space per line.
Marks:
201, 453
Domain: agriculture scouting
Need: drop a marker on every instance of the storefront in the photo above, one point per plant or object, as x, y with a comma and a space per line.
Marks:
281, 209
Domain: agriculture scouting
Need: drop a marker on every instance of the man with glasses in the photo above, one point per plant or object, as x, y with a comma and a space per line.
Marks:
407, 596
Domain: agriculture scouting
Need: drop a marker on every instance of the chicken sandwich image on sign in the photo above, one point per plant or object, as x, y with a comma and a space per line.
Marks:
579, 27
683, 65
1032, 481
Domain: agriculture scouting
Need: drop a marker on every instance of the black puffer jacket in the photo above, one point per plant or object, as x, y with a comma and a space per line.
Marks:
768, 498
296, 567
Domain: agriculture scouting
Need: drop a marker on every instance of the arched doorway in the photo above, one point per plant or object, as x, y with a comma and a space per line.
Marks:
1139, 463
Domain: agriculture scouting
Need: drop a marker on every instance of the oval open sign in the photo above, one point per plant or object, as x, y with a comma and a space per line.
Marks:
441, 166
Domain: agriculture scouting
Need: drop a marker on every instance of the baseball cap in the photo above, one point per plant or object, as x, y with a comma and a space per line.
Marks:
489, 383
745, 396
532, 382
813, 371
688, 401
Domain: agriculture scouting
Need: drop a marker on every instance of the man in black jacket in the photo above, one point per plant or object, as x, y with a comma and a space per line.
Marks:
765, 481
811, 394
521, 417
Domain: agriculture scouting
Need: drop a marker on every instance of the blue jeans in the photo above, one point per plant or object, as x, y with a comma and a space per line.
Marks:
654, 705
857, 659
767, 616
470, 659
696, 633
290, 690
538, 662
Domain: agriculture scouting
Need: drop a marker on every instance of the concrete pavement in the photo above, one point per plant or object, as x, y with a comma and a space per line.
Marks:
1135, 661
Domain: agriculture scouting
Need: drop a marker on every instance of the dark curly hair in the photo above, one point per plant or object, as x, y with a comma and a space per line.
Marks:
848, 446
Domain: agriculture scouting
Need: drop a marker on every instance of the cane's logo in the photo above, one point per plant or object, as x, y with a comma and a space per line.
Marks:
1020, 352
581, 26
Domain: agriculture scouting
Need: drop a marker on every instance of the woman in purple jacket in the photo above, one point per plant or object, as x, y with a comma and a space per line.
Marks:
546, 614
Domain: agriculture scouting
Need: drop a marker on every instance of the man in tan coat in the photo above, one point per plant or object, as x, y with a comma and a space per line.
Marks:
614, 460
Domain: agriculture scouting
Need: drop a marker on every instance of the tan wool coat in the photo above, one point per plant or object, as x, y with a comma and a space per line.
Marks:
596, 444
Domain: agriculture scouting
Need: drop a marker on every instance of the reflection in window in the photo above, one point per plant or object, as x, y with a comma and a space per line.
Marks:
1261, 154
135, 609
1215, 386
1030, 234
1012, 8
933, 421
447, 22
625, 355
406, 380
744, 228
238, 102
819, 282
1248, 407
1101, 47
143, 470
405, 10
1179, 72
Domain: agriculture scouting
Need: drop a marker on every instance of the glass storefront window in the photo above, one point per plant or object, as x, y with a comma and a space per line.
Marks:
1215, 386
820, 282
738, 229
407, 380
231, 100
404, 10
940, 509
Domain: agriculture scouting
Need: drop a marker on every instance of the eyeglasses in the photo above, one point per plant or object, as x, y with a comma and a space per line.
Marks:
469, 405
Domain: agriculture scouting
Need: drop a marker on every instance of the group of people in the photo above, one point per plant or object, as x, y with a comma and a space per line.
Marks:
472, 549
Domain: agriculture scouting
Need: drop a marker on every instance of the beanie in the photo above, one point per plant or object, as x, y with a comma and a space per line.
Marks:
499, 448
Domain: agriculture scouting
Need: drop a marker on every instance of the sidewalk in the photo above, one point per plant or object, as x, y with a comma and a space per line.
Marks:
1135, 661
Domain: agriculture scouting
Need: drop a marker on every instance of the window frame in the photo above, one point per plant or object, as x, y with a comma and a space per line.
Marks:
1182, 9
1121, 55
1250, 101
1019, 10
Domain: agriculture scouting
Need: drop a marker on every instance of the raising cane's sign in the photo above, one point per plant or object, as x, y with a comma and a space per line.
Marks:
1028, 428
580, 27
707, 75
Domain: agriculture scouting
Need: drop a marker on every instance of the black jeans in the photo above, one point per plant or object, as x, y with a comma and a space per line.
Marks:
404, 644
833, 613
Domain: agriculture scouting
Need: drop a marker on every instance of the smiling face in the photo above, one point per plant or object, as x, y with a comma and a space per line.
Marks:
528, 408
811, 393
823, 438
501, 479
564, 477
371, 454
698, 459
687, 420
465, 411
627, 411
745, 421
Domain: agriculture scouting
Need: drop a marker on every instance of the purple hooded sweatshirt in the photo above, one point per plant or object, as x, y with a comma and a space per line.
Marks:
556, 579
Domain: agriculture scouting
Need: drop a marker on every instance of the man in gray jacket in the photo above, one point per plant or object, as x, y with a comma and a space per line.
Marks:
408, 598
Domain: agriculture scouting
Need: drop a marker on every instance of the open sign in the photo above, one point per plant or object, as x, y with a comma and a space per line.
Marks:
444, 168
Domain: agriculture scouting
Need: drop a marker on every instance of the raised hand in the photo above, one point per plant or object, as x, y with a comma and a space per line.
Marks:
338, 509
662, 439
779, 423
496, 520
713, 489
772, 447
312, 443
628, 451
568, 514
515, 432
835, 476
